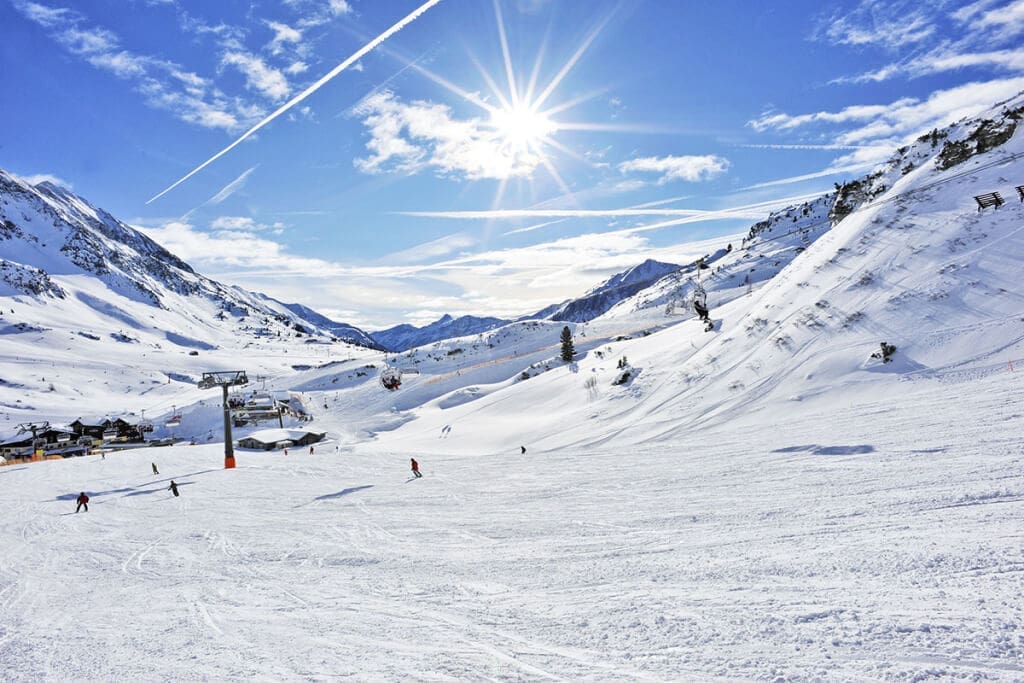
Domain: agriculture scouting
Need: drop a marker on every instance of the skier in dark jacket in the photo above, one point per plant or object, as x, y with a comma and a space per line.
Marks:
523, 449
173, 488
415, 468
83, 502
155, 470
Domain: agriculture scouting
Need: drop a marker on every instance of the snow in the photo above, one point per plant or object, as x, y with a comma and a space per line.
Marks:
766, 501
837, 549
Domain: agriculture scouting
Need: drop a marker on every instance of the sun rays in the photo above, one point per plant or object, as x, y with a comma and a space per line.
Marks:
521, 109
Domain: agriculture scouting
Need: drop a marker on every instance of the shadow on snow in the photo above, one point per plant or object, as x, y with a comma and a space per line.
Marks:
815, 449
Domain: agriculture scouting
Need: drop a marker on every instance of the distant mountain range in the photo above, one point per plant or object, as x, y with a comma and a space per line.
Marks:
48, 230
404, 337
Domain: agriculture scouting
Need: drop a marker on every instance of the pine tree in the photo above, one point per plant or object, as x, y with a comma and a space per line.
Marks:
568, 351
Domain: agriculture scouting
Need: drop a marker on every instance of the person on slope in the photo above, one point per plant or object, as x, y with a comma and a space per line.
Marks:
155, 470
83, 502
523, 449
173, 488
415, 468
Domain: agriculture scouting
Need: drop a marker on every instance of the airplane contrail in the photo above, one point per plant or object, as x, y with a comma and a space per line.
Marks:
359, 54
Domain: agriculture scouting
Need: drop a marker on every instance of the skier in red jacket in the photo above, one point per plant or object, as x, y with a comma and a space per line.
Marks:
415, 468
83, 501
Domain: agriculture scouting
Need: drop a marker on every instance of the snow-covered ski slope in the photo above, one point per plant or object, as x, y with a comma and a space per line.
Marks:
760, 502
878, 541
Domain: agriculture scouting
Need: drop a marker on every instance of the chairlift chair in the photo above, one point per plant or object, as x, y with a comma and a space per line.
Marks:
175, 419
391, 378
700, 300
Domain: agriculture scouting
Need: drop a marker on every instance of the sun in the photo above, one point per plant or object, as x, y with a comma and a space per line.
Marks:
521, 128
521, 132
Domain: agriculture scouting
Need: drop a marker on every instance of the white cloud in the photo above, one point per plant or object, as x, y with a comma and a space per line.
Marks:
408, 138
258, 76
283, 34
37, 178
296, 68
688, 168
244, 224
339, 7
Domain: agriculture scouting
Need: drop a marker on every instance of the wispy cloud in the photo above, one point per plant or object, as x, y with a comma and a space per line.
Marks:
232, 187
831, 171
688, 168
886, 23
164, 84
517, 214
983, 35
430, 251
896, 121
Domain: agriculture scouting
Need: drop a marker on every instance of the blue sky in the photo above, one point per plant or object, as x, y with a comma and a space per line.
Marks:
417, 181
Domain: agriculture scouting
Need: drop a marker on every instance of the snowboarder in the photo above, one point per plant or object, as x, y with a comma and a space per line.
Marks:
155, 470
415, 468
173, 488
83, 502
523, 449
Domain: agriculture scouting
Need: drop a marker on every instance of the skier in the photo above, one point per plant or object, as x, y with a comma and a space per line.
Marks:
155, 470
83, 502
286, 451
173, 488
415, 468
311, 450
523, 449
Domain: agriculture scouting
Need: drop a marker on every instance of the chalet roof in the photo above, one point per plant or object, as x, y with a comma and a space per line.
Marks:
271, 436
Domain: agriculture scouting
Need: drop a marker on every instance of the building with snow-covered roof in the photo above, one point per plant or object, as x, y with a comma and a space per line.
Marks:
271, 439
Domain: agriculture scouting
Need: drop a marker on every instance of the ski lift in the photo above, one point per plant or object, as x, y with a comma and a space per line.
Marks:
109, 434
391, 378
175, 418
700, 301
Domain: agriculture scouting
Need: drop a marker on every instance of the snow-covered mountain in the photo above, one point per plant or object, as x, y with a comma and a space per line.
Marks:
343, 331
49, 232
404, 337
603, 297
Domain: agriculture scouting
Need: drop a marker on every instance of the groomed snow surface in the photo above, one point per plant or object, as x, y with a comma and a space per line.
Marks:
882, 540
